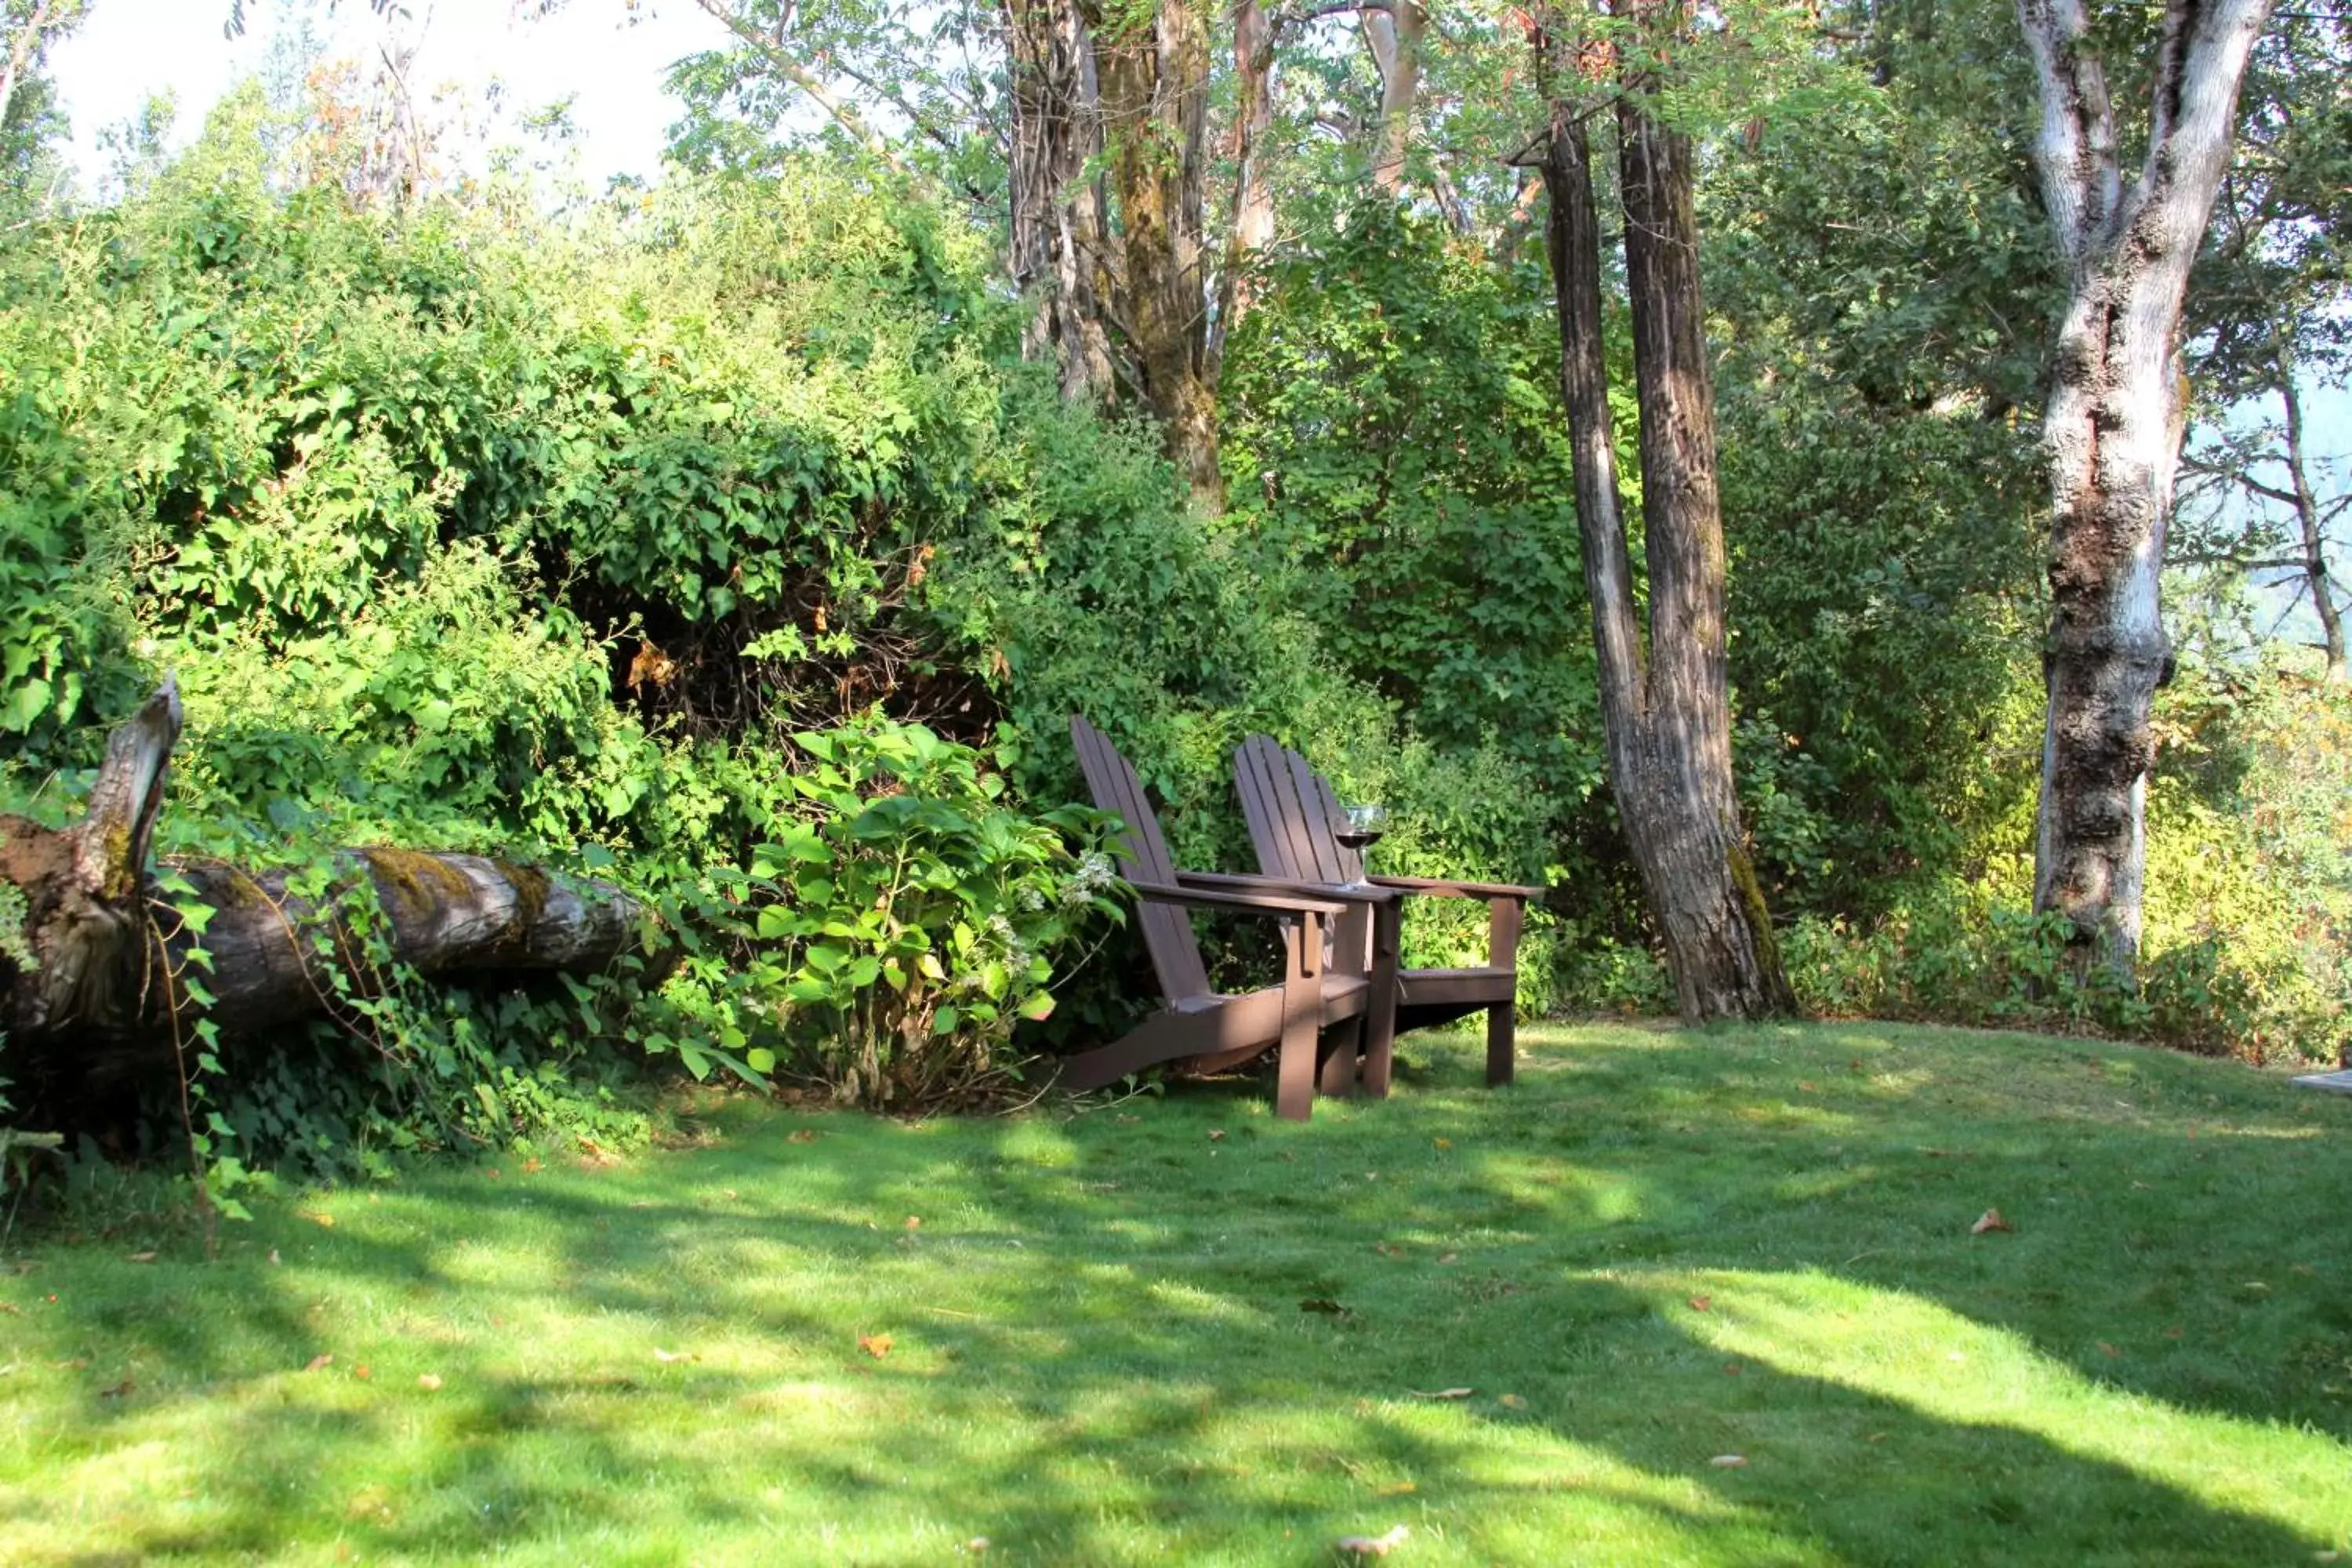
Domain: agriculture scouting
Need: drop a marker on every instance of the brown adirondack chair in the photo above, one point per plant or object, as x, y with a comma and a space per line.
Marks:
1202, 1029
1294, 821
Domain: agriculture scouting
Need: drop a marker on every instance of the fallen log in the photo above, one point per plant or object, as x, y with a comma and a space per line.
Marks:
106, 993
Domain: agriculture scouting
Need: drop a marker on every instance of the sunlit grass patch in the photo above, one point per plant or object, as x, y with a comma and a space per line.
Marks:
1536, 1326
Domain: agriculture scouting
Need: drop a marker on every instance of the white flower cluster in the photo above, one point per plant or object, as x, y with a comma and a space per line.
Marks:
1093, 876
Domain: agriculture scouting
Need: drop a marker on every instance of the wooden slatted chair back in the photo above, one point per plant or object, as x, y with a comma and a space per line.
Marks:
1143, 857
1294, 818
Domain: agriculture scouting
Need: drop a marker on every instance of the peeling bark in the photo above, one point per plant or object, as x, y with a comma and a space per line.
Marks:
1155, 101
1394, 35
1057, 219
2110, 429
1253, 220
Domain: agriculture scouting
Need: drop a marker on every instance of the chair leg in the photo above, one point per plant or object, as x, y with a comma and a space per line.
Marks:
1339, 1052
1379, 1021
1302, 1006
1501, 1042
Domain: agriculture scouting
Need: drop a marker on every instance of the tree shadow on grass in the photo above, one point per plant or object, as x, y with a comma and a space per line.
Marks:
1101, 1349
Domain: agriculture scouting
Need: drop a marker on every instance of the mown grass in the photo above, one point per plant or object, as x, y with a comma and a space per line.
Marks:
1111, 1338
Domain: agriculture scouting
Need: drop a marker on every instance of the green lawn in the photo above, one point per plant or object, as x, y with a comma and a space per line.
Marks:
1178, 1332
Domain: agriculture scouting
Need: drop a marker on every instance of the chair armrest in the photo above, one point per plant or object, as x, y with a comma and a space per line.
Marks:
1338, 891
1449, 888
1263, 901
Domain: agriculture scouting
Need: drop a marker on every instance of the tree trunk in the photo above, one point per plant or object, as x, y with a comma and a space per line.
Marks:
2111, 430
1395, 38
1056, 206
106, 996
2306, 512
1253, 224
1155, 96
1666, 720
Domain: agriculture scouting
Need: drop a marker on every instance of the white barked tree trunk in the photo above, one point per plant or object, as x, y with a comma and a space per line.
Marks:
2111, 430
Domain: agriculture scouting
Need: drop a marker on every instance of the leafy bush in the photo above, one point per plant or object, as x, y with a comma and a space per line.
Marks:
901, 923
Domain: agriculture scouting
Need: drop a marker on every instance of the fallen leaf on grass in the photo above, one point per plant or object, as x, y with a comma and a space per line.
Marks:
363, 1372
1729, 1461
2108, 1349
914, 1222
141, 1258
1442, 1142
1449, 1258
2173, 1332
274, 1259
1387, 1250
875, 1346
1443, 1394
662, 1355
1734, 1368
430, 1382
319, 1361
326, 1220
1989, 1220
1374, 1546
119, 1390
1513, 1402
1216, 1134
801, 1135
976, 1546
1395, 1488
1700, 1303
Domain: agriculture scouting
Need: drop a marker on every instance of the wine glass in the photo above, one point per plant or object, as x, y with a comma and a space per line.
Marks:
1361, 830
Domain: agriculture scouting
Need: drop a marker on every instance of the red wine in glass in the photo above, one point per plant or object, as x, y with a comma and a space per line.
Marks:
1363, 827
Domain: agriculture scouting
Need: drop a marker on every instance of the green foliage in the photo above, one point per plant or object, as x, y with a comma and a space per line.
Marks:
899, 925
2244, 948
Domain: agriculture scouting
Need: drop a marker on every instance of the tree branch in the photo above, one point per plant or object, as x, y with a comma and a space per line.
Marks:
845, 114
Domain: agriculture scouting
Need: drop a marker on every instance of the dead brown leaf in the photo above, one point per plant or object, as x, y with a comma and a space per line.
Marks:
315, 1217
318, 1360
1512, 1402
141, 1258
363, 1372
1990, 1221
914, 1222
1700, 1303
875, 1346
1443, 1394
430, 1382
1216, 1134
1729, 1461
801, 1135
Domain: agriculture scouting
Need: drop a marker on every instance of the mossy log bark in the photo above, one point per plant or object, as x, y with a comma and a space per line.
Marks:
101, 996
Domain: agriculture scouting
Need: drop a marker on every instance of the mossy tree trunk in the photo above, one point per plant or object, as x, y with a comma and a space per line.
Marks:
107, 990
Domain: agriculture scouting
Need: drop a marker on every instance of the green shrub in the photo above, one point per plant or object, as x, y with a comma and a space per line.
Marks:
903, 918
